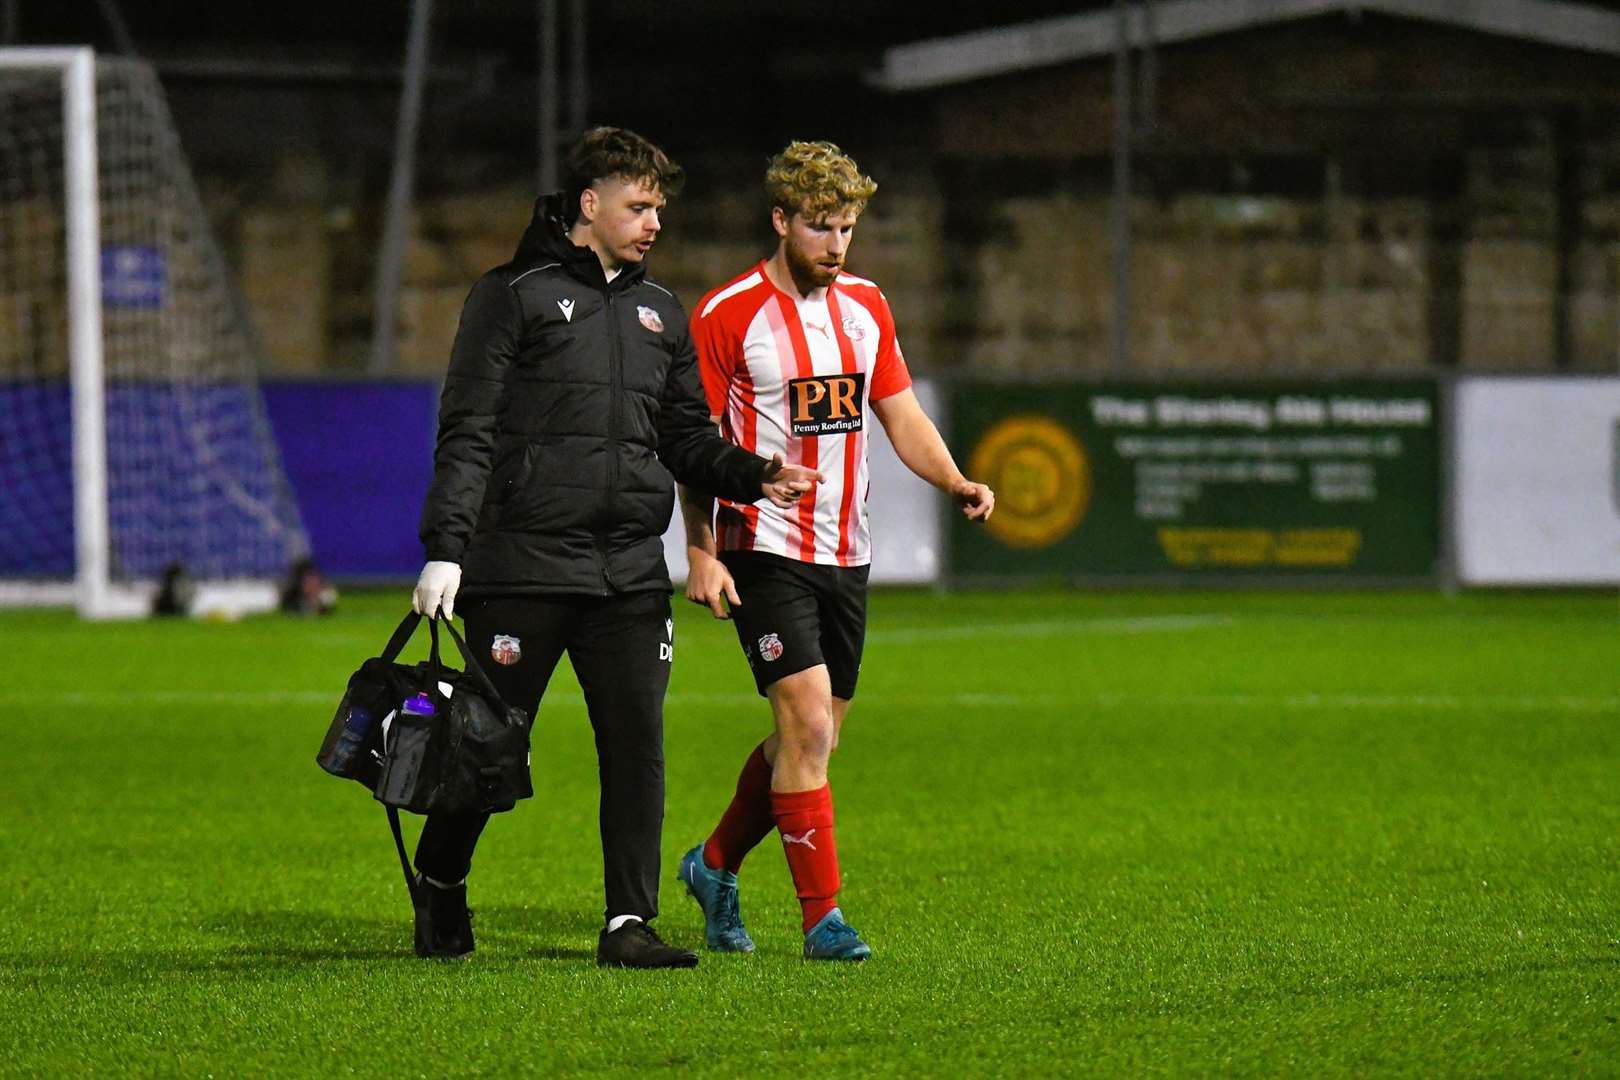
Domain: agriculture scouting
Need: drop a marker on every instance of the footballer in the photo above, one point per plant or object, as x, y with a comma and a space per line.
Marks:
796, 357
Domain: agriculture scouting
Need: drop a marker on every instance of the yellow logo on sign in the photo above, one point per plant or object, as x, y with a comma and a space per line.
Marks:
1041, 477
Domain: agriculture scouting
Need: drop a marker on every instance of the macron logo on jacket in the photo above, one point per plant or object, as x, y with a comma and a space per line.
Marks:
567, 307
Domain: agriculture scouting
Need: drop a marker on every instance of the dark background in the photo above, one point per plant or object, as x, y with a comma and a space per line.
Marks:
1342, 193
696, 74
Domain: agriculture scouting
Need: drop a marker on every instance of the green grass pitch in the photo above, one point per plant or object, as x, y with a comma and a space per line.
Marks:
1104, 834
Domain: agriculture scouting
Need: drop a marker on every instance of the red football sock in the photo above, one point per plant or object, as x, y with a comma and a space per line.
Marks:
805, 820
748, 819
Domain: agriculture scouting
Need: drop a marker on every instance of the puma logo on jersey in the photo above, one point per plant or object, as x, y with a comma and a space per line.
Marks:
822, 330
789, 838
567, 307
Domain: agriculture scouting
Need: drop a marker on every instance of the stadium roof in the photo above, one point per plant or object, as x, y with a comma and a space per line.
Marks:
986, 53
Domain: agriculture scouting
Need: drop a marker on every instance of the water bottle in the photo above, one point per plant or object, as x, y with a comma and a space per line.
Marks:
419, 704
409, 740
356, 728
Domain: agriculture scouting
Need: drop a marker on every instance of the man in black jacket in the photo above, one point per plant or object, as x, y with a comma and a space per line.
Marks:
572, 400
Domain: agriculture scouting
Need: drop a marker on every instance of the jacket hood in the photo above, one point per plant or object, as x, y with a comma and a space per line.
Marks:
547, 234
546, 240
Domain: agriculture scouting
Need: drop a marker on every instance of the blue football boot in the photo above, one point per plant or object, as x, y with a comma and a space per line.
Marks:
716, 893
834, 939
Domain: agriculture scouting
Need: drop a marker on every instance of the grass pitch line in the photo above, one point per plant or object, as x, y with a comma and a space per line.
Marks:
1438, 702
1144, 624
1106, 700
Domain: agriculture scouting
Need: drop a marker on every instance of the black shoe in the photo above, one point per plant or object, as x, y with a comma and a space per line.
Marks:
443, 923
636, 945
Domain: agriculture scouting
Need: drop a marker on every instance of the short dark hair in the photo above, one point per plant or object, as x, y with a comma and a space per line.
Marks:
610, 151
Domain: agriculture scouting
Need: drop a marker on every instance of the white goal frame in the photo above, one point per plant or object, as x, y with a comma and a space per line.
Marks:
92, 591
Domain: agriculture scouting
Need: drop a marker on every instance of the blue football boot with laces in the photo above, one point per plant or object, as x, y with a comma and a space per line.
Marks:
834, 939
716, 893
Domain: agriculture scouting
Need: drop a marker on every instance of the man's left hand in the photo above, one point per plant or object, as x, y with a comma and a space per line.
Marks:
976, 500
785, 484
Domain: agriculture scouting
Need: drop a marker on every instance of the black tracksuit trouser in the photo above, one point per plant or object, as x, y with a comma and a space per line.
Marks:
621, 648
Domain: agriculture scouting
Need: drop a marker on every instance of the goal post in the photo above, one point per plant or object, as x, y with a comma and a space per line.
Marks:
132, 433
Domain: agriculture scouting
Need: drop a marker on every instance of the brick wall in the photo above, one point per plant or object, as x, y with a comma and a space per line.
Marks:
1333, 196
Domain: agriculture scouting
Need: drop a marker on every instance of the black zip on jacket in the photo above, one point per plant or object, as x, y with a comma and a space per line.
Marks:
571, 405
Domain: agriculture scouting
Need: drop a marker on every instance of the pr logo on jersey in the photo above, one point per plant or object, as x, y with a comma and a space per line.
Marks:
506, 650
649, 318
826, 404
770, 647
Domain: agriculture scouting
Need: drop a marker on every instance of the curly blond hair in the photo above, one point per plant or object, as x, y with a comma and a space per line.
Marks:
816, 179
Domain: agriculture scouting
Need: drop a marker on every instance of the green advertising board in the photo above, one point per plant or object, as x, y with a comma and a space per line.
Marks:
1275, 479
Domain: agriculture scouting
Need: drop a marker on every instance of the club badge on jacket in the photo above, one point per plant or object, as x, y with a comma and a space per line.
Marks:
506, 650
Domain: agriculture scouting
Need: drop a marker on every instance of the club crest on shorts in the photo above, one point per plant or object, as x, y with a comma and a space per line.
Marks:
506, 650
770, 647
649, 318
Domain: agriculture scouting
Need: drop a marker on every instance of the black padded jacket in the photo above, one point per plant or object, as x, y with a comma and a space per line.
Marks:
570, 403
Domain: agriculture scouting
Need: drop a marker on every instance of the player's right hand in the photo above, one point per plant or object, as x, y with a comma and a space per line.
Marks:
436, 589
976, 500
708, 582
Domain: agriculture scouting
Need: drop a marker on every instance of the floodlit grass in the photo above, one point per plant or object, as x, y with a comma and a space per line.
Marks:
1116, 834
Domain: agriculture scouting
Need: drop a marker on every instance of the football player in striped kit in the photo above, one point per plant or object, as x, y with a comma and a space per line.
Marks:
796, 355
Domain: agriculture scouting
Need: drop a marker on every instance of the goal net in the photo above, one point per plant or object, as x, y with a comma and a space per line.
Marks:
132, 433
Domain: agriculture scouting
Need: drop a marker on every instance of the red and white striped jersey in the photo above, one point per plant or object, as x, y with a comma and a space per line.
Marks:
797, 377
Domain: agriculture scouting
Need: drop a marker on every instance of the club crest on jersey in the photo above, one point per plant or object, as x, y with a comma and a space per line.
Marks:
770, 647
649, 318
826, 404
506, 650
853, 328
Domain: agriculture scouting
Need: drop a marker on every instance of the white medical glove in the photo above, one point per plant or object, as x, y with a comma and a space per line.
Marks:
436, 589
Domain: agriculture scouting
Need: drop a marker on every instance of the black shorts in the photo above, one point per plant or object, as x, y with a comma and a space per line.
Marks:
795, 615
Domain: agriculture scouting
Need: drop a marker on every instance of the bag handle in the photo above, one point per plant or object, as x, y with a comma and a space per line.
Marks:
406, 630
407, 627
399, 846
474, 668
402, 636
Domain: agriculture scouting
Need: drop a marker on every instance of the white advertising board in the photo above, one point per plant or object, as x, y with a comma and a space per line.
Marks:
1537, 488
907, 542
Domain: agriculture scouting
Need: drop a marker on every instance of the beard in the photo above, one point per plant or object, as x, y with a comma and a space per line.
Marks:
807, 272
